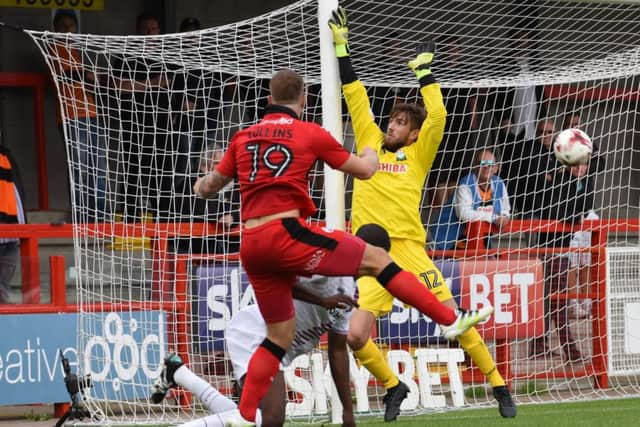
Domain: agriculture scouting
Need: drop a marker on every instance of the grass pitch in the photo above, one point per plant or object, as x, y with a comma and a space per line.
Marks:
601, 413
605, 413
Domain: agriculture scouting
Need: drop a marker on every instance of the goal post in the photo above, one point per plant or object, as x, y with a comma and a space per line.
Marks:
143, 117
331, 114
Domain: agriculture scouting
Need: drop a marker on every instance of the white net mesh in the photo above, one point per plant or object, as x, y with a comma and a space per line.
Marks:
144, 116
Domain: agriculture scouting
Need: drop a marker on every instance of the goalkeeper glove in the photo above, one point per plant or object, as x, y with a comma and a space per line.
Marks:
338, 25
421, 64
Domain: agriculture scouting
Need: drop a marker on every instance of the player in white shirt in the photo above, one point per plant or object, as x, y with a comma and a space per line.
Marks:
247, 330
322, 305
330, 313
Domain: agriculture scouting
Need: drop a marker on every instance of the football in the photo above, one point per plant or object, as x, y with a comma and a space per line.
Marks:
572, 147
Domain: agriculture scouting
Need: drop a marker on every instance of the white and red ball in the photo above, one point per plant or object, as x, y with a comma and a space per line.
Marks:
572, 147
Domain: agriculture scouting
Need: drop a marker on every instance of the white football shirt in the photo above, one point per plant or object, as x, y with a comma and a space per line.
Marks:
247, 329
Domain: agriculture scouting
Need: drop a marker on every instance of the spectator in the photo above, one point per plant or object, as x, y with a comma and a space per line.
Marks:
580, 263
572, 120
223, 209
195, 105
478, 207
519, 110
147, 25
527, 101
597, 162
542, 162
521, 106
189, 24
11, 212
244, 100
83, 128
228, 197
143, 117
563, 200
528, 167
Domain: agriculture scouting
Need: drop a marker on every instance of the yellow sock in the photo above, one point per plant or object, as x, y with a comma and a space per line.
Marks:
371, 357
472, 343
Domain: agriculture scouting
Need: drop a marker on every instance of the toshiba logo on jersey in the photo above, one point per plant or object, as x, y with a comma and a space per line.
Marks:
392, 167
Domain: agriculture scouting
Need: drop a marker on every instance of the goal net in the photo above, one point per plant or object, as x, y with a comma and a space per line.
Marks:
158, 269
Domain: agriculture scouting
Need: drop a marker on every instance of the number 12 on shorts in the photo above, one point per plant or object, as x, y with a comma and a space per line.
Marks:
430, 278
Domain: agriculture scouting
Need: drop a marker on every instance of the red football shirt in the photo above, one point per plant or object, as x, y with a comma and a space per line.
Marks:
272, 159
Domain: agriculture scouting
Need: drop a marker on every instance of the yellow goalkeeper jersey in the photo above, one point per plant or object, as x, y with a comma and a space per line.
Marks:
392, 197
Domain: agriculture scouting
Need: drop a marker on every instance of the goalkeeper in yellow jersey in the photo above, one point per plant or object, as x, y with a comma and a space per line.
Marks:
392, 199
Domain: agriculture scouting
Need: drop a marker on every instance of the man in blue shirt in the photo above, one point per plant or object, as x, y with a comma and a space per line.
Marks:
479, 206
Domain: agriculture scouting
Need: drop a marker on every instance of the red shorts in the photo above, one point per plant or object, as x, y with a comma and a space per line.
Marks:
275, 253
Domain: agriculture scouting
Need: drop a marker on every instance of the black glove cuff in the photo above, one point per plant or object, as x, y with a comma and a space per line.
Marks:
427, 80
347, 74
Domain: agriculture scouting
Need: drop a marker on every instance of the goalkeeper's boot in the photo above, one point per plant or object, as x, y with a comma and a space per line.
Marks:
466, 319
392, 401
236, 420
165, 381
505, 403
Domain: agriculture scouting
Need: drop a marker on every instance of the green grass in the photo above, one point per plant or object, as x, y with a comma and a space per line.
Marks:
532, 388
605, 413
32, 416
602, 413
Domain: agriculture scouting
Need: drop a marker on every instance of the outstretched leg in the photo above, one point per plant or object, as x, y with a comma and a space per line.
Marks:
176, 373
407, 288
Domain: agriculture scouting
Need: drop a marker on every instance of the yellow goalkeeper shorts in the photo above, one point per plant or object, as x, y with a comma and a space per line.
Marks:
410, 255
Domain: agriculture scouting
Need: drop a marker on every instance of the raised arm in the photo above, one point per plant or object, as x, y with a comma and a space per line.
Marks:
367, 133
432, 130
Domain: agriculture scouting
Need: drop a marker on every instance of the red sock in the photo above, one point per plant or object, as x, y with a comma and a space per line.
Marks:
263, 366
408, 289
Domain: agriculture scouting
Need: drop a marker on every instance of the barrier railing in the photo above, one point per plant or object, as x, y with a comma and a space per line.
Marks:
171, 279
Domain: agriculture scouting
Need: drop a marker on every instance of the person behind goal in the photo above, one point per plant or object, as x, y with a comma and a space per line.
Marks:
392, 199
272, 160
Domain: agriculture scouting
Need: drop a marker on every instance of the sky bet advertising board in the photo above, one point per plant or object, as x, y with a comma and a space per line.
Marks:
514, 287
123, 354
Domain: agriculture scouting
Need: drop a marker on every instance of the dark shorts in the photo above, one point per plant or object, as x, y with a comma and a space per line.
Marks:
275, 253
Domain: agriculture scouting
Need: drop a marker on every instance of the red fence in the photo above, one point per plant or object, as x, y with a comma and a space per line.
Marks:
171, 278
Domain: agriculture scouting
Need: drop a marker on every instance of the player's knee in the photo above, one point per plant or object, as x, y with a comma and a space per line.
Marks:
290, 337
358, 335
357, 339
287, 338
375, 259
281, 333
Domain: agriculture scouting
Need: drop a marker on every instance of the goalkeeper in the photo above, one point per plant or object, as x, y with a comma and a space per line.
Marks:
392, 199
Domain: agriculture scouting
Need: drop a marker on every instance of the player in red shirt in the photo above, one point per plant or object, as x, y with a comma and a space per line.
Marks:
271, 160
